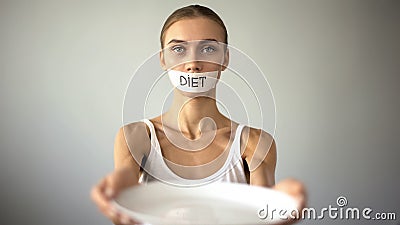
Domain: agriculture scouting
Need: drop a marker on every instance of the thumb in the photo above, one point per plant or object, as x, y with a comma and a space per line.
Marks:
111, 189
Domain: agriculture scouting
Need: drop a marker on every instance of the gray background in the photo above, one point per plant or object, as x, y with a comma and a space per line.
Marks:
333, 67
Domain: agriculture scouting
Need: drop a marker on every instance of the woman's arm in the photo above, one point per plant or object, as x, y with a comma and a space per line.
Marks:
131, 143
260, 154
124, 159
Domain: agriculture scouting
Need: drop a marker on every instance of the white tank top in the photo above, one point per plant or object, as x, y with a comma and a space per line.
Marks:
155, 167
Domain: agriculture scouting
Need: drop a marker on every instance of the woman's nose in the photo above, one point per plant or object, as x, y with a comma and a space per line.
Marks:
194, 66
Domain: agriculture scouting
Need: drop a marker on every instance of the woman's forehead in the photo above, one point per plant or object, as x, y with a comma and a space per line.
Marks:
194, 29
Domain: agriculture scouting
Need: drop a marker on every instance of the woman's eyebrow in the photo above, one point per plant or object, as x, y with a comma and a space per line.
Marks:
208, 40
176, 41
184, 42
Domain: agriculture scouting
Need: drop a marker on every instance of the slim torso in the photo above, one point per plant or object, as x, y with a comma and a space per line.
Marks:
196, 160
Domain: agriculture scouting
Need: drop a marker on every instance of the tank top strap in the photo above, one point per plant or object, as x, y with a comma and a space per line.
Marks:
154, 141
236, 142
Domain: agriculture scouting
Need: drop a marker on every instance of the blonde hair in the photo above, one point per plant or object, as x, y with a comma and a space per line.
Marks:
192, 11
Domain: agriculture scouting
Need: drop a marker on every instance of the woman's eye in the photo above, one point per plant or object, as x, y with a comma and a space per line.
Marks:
178, 49
208, 49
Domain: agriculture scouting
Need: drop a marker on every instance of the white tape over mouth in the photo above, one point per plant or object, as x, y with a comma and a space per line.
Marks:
193, 82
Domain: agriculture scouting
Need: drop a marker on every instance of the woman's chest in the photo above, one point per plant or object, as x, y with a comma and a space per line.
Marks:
209, 148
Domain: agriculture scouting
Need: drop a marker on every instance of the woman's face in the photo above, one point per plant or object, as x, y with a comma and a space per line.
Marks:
194, 45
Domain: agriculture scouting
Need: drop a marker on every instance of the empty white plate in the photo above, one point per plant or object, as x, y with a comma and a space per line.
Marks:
217, 203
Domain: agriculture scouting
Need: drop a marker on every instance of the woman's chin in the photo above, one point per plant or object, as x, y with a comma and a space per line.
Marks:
209, 94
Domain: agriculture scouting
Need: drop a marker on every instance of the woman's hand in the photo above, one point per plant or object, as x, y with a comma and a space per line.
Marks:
107, 189
295, 189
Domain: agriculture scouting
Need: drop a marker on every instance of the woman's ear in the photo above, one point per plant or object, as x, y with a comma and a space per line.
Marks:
162, 61
226, 60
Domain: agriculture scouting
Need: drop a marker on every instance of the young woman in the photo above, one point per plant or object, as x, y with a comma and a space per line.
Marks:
197, 143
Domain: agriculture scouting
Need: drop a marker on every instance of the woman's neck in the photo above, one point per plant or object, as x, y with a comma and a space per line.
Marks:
190, 114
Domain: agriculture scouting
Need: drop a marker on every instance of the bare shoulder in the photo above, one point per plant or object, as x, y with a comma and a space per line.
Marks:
256, 142
137, 135
259, 151
131, 145
133, 139
135, 129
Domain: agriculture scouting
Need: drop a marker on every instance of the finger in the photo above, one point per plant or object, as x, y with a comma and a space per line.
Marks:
110, 189
295, 189
291, 186
99, 196
125, 219
96, 192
